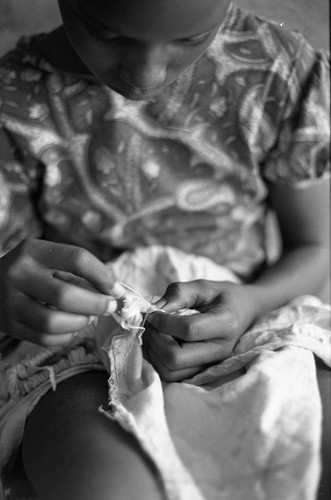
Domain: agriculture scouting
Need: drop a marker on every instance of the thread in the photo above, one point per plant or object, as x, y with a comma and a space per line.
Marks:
134, 306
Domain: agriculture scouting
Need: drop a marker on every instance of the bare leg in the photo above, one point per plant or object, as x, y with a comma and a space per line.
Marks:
324, 383
70, 451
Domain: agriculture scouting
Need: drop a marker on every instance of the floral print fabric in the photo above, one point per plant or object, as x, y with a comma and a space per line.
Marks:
81, 164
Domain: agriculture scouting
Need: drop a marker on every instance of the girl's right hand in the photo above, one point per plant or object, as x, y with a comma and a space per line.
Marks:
40, 297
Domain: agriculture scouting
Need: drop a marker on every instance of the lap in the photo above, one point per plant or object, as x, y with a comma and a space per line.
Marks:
72, 451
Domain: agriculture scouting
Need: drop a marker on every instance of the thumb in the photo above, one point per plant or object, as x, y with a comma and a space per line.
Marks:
185, 295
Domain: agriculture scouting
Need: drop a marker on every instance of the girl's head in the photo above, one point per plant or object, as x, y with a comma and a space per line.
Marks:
136, 47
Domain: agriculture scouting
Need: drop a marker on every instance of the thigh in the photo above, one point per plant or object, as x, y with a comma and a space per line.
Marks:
324, 383
70, 450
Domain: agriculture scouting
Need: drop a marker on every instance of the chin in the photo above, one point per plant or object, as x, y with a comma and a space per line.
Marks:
133, 95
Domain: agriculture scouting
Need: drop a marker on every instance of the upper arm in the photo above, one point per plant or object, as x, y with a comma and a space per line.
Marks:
303, 213
18, 177
297, 170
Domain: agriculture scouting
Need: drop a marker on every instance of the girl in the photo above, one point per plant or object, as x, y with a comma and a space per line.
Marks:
140, 123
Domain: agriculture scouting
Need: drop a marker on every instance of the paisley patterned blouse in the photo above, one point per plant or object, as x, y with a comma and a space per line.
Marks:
189, 168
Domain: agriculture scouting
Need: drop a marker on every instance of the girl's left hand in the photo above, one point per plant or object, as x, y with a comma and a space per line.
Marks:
179, 346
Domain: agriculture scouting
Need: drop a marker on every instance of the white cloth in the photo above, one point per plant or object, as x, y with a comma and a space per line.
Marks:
248, 428
253, 436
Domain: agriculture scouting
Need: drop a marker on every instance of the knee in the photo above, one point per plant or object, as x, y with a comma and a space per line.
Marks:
70, 450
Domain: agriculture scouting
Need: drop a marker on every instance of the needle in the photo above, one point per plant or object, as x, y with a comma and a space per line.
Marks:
144, 320
147, 313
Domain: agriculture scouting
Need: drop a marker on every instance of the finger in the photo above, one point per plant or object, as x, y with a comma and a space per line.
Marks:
167, 374
188, 295
42, 285
45, 319
117, 291
74, 259
25, 332
202, 326
189, 354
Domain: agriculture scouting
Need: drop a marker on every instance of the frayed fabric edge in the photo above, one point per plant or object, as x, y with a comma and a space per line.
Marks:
151, 431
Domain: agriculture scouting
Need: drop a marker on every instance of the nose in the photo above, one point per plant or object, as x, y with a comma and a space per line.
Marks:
144, 68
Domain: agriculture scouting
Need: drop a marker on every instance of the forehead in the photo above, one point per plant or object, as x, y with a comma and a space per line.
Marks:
155, 18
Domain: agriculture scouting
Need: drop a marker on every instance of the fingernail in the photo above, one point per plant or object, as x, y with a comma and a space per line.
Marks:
91, 319
118, 290
111, 306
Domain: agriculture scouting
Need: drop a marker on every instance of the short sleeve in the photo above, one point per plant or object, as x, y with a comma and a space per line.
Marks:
19, 179
301, 155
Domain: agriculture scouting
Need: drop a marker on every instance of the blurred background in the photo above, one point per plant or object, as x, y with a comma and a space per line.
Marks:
311, 17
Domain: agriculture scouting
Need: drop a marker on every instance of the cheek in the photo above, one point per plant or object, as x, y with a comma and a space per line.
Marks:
99, 60
187, 55
183, 60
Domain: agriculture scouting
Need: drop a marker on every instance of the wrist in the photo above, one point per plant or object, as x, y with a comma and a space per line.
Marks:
260, 299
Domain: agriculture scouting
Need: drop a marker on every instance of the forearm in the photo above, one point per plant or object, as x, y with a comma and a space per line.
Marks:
301, 270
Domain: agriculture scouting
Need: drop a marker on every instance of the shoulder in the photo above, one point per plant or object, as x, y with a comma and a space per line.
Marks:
21, 80
23, 61
252, 42
253, 56
29, 85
